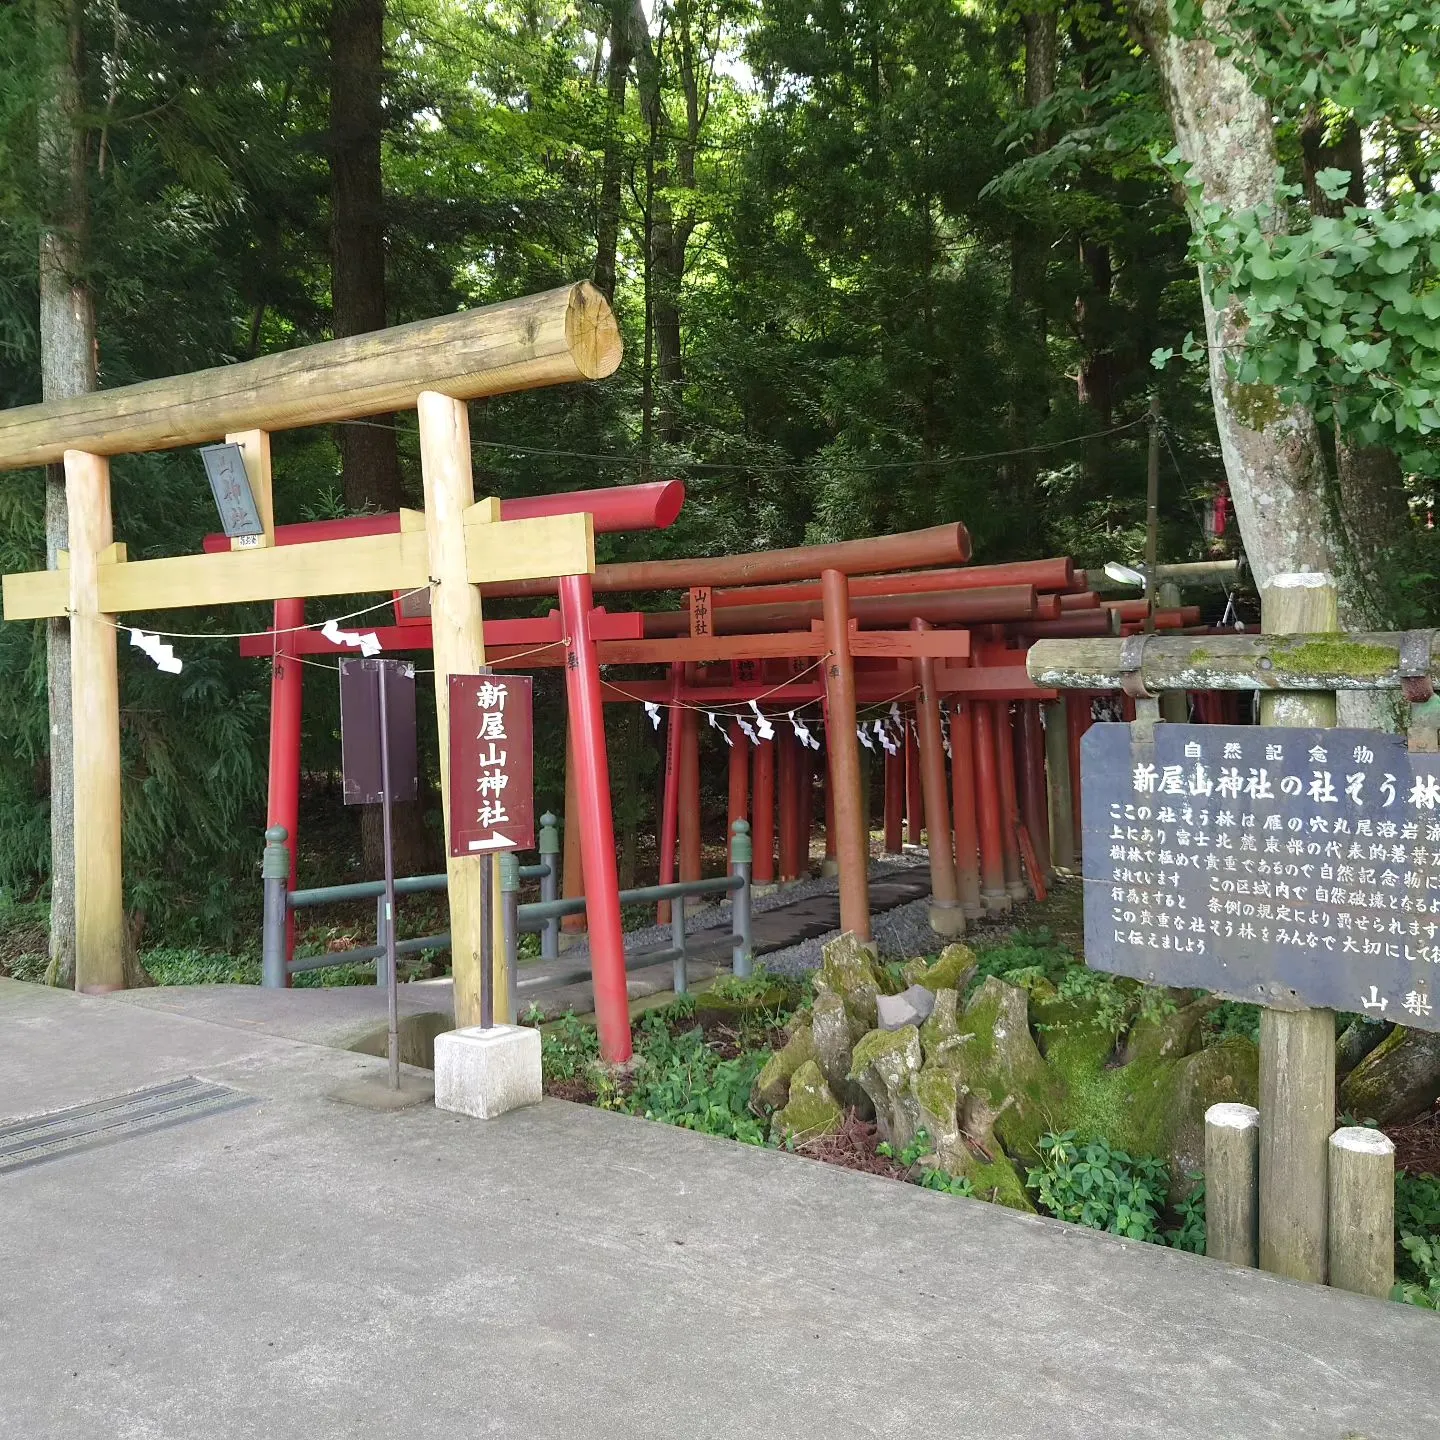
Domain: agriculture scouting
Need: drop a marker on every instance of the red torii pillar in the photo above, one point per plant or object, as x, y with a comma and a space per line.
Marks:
967, 843
739, 777
1009, 801
763, 821
852, 837
989, 809
946, 917
597, 823
787, 785
914, 804
286, 708
895, 800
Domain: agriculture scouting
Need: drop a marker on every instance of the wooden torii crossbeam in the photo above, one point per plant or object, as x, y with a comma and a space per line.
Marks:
454, 546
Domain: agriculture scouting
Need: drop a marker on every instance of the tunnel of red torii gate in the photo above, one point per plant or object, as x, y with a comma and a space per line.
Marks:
893, 643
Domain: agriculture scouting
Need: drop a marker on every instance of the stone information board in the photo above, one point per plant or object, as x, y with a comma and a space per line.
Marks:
1288, 867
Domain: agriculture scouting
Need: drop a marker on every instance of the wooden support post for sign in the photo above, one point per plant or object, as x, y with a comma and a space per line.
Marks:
842, 745
763, 821
1174, 707
95, 703
1009, 801
947, 919
255, 451
1057, 774
962, 776
1362, 1211
988, 809
1297, 1047
1232, 1137
459, 640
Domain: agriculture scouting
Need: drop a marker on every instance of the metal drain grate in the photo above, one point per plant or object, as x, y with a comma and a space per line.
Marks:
83, 1127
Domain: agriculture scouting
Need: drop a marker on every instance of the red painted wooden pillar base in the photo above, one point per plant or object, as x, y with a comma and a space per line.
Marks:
287, 700
763, 822
993, 894
962, 773
1009, 801
597, 823
895, 801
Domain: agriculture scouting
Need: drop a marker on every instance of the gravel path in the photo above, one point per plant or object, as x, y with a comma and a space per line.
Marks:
899, 934
718, 915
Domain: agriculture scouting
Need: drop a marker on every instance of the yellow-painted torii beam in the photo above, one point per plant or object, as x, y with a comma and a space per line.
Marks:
454, 546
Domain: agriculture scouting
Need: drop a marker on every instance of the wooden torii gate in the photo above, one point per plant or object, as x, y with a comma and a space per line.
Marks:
433, 367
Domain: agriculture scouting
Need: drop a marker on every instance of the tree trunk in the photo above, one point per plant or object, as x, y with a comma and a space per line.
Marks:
1027, 280
67, 367
1273, 455
369, 458
607, 224
1373, 504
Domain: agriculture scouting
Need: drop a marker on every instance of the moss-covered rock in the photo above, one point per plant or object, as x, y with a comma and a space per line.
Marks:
1167, 1033
998, 1180
937, 1098
772, 1085
811, 1110
953, 969
1356, 1041
1398, 1079
884, 1063
1174, 1127
1013, 1097
847, 969
830, 1028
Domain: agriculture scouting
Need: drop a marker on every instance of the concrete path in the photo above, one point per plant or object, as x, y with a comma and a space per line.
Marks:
296, 1267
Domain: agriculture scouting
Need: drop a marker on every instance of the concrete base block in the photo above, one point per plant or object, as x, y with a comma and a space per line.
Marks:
947, 921
484, 1073
829, 867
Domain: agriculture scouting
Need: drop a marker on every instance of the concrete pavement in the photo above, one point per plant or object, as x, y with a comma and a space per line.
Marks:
298, 1267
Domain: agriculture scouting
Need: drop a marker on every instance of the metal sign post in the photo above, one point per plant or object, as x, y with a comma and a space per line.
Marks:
377, 737
392, 983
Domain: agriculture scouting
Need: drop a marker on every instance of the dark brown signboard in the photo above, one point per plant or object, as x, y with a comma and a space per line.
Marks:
492, 764
360, 682
1289, 867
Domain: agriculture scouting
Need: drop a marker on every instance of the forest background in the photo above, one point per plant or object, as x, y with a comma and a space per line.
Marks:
878, 264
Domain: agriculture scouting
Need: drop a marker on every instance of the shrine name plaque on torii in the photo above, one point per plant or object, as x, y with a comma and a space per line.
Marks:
432, 367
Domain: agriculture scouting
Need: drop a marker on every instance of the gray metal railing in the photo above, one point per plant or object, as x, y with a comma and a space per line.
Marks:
542, 918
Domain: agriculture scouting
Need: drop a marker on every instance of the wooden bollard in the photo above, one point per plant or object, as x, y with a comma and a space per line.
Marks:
1232, 1183
1362, 1211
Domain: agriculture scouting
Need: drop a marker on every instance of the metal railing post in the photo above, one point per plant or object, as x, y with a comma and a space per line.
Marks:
275, 877
677, 941
550, 884
742, 851
510, 917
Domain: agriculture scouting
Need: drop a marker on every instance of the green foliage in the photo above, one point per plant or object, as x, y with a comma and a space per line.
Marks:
1101, 1188
1343, 308
568, 1048
1190, 1233
1231, 1018
1024, 957
1417, 1246
681, 1081
928, 1177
